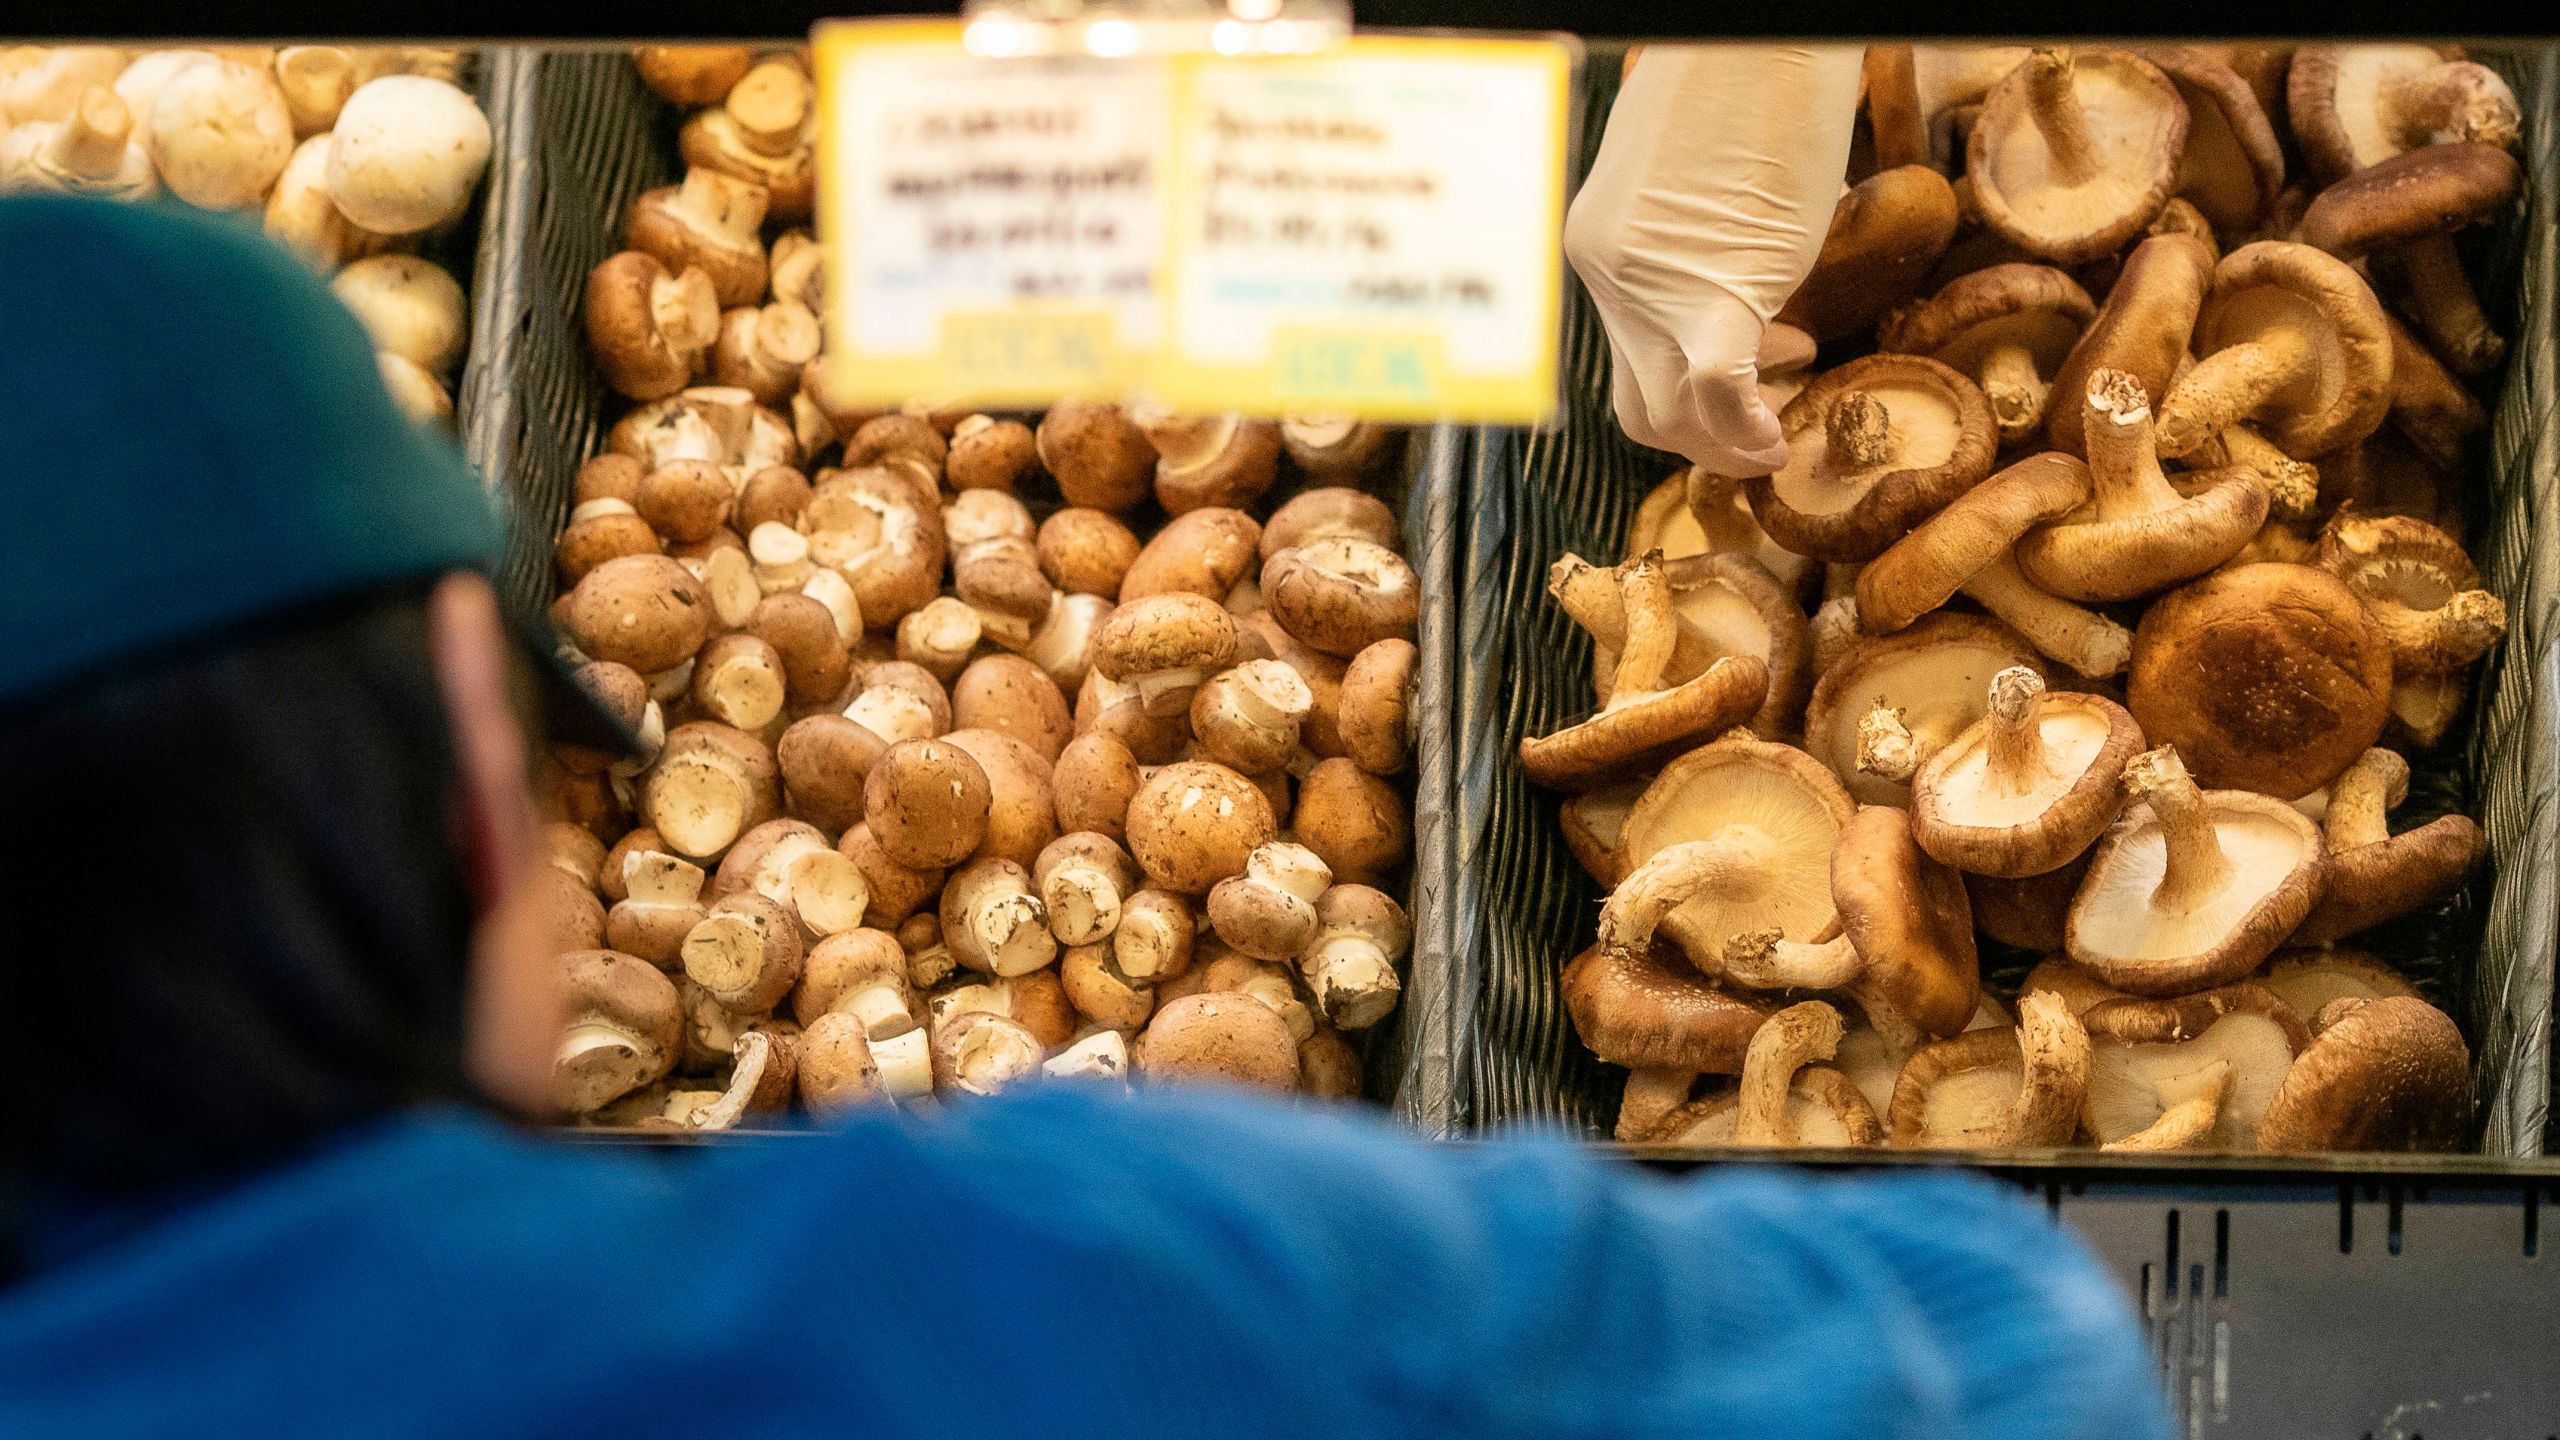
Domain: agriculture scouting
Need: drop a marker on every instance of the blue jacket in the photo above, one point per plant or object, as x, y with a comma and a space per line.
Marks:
1054, 1264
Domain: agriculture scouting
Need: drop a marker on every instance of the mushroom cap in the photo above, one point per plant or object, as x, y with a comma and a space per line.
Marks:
1341, 593
2026, 823
2340, 103
2120, 930
1924, 569
1193, 824
611, 991
2267, 677
2277, 283
2035, 307
2412, 579
406, 154
1884, 235
1907, 917
644, 611
2142, 330
2146, 1055
2308, 980
2427, 191
1936, 440
1171, 631
1937, 673
2029, 913
1825, 1109
2231, 166
2076, 988
2135, 121
1775, 800
2384, 1074
1641, 733
1729, 604
220, 134
2369, 884
1200, 552
1645, 1009
1996, 1085
1220, 1037
1593, 822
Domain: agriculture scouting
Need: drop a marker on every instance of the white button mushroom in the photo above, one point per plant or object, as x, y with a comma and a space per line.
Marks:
408, 153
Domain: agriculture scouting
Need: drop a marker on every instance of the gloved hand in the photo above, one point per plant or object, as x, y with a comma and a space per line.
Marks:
1701, 214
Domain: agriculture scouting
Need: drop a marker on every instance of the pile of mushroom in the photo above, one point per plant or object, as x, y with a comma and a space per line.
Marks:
2095, 614
985, 747
356, 155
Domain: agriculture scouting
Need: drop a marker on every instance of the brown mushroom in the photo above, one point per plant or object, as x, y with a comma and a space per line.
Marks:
1163, 647
2292, 339
2352, 106
745, 952
625, 1029
1099, 456
1085, 551
927, 801
2196, 1072
1593, 822
711, 784
2420, 591
978, 1052
2029, 786
2230, 167
2308, 980
990, 454
1727, 605
2384, 1074
1012, 696
2138, 533
2075, 151
692, 75
1349, 966
1358, 823
2142, 330
1376, 714
1996, 1088
1931, 680
1885, 234
1874, 447
1642, 722
993, 920
1225, 460
2006, 327
647, 326
1769, 1111
1642, 1009
1219, 1038
1206, 551
2267, 677
1083, 877
793, 864
1341, 594
1193, 824
1697, 512
2375, 875
2409, 206
1021, 813
2198, 889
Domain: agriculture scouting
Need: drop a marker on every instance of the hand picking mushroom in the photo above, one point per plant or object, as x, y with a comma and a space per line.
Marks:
1732, 838
1934, 678
1885, 234
2075, 151
2420, 590
1642, 722
2006, 327
2384, 1074
2196, 891
2268, 677
2375, 875
2029, 786
2193, 1073
1997, 1088
2139, 533
1873, 447
2290, 338
1905, 949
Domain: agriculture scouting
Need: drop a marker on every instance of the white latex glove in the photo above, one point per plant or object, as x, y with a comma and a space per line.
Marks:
1703, 211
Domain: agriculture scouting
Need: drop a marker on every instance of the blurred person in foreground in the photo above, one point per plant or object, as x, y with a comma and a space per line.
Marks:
278, 1008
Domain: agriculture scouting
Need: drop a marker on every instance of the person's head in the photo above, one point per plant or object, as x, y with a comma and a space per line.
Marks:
273, 823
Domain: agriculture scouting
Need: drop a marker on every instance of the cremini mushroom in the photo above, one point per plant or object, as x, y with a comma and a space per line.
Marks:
1966, 548
644, 611
2075, 151
1248, 718
219, 135
1083, 878
625, 1029
1359, 823
2138, 533
1193, 824
2409, 207
1994, 1088
647, 326
2029, 786
1873, 447
1642, 721
792, 863
2292, 340
1377, 706
1929, 681
862, 973
1086, 551
1163, 648
882, 529
2420, 590
2006, 327
1333, 449
2196, 890
1349, 966
978, 1052
1207, 552
1012, 696
1219, 1038
1885, 234
692, 75
993, 920
1226, 460
746, 952
2380, 1074
1098, 455
1748, 830
660, 905
2142, 329
2375, 875
405, 155
39, 83
1341, 594
2191, 1073
763, 348
1021, 812
926, 801
1905, 950
762, 132
2268, 677
1155, 935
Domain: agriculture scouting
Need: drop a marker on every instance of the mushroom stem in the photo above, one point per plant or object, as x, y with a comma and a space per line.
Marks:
2196, 865
1786, 1042
2293, 486
2447, 310
2053, 103
2055, 1050
1886, 748
1652, 632
2124, 452
2015, 388
1730, 865
686, 310
2083, 639
2187, 1124
2467, 625
2361, 800
2227, 387
1767, 960
1353, 980
1860, 431
91, 140
2016, 741
1710, 498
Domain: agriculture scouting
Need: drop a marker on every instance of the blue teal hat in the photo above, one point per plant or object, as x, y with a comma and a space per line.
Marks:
193, 435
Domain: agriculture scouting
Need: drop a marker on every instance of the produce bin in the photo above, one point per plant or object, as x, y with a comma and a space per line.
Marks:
2486, 956
578, 137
